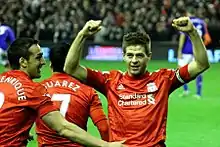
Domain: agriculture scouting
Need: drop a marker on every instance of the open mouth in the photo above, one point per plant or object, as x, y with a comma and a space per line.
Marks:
135, 67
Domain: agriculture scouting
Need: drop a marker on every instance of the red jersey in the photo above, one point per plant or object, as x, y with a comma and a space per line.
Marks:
76, 102
137, 107
21, 100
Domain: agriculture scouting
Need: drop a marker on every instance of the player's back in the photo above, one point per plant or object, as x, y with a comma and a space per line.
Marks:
73, 99
201, 29
17, 113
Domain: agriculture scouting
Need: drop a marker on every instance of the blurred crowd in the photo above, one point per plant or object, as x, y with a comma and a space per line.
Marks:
62, 19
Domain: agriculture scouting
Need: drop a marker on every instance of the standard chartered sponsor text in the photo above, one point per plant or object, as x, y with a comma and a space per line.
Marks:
135, 99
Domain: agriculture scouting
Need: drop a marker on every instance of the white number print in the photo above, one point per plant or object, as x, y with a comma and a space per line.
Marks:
65, 100
2, 99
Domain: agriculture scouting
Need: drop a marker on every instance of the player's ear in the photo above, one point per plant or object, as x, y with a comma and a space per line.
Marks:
149, 55
23, 62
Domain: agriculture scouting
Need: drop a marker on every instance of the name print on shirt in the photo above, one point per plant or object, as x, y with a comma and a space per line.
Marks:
16, 84
63, 83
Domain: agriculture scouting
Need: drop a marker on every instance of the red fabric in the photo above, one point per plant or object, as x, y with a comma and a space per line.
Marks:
137, 107
23, 101
76, 101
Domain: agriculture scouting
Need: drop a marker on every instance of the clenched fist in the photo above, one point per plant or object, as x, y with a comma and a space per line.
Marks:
91, 27
183, 24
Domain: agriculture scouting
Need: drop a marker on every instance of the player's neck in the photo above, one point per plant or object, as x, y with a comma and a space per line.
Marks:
135, 77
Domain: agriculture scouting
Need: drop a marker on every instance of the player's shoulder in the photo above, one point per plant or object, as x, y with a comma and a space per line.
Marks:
163, 72
116, 72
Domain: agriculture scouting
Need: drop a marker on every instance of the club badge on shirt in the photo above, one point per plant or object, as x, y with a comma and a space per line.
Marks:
151, 87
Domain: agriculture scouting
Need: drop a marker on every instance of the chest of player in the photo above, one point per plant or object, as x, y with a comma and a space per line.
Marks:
136, 94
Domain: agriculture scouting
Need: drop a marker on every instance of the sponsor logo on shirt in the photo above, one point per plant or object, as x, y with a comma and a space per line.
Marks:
136, 99
120, 87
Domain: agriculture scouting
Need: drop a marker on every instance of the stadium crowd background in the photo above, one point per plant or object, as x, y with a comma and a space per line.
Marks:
62, 19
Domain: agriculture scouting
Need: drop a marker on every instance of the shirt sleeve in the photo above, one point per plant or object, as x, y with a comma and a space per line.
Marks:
96, 111
98, 117
98, 80
179, 77
41, 102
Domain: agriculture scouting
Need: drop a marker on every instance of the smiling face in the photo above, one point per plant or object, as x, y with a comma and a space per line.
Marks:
136, 60
136, 52
35, 62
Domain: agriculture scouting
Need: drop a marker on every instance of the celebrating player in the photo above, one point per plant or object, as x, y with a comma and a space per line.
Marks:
185, 50
137, 99
22, 100
75, 100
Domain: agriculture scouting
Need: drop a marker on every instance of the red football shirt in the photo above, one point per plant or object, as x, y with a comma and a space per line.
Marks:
137, 107
21, 100
76, 102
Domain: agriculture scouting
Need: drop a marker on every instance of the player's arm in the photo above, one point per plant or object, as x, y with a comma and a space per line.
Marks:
71, 131
72, 65
180, 47
201, 62
98, 117
41, 102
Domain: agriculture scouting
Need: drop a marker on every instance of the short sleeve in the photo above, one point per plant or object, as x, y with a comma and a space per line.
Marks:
40, 101
96, 110
98, 80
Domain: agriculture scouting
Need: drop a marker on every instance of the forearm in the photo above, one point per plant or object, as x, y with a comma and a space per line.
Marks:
199, 50
76, 134
181, 43
73, 56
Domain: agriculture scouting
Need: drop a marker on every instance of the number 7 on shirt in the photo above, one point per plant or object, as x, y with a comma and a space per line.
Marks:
64, 99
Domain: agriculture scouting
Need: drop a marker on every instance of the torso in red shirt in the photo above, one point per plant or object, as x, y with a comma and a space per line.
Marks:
21, 100
76, 102
137, 107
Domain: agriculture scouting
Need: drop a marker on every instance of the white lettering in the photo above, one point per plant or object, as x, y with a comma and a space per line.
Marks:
16, 84
57, 84
136, 99
63, 83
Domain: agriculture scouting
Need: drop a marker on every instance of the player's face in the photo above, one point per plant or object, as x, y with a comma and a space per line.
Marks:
136, 60
35, 62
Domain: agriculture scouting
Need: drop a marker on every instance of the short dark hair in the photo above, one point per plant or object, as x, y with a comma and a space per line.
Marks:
58, 55
20, 48
137, 38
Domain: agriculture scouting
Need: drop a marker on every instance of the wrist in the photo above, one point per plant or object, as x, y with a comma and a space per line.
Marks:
82, 34
193, 32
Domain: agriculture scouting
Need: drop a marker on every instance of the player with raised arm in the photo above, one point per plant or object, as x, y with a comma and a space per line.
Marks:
137, 99
22, 100
185, 49
75, 101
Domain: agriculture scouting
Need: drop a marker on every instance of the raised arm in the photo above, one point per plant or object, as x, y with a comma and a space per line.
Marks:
200, 63
180, 47
71, 131
72, 65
